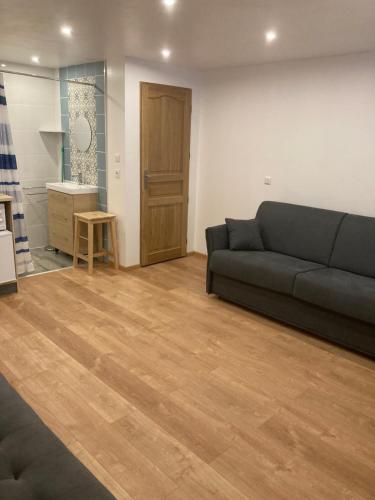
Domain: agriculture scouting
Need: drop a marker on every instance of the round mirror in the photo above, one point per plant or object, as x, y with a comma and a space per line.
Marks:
81, 134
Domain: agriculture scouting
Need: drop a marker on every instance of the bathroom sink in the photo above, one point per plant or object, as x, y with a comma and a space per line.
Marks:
71, 188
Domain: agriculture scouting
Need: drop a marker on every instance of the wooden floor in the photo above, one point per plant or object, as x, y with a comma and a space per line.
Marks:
164, 392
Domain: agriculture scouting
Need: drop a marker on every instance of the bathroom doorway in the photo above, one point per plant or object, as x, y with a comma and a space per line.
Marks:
43, 111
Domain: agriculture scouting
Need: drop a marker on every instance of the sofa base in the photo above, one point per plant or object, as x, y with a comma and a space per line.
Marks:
8, 288
342, 330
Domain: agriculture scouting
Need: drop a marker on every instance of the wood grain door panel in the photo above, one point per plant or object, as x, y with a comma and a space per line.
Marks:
165, 155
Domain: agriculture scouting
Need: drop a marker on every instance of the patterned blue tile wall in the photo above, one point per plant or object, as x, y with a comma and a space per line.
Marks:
92, 72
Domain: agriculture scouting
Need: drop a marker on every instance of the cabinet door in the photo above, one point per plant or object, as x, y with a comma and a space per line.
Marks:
60, 203
61, 208
60, 237
60, 221
7, 266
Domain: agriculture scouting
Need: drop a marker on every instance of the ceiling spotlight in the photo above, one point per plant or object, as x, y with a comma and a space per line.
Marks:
35, 59
3, 65
271, 36
169, 3
66, 30
166, 53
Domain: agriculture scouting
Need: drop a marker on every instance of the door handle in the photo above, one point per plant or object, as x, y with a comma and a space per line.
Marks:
146, 178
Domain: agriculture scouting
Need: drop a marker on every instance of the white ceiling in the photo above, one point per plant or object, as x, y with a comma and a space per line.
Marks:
201, 33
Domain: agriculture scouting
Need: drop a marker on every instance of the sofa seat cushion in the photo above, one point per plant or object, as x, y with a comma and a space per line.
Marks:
270, 270
340, 291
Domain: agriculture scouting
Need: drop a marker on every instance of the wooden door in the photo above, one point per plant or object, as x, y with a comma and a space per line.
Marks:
165, 155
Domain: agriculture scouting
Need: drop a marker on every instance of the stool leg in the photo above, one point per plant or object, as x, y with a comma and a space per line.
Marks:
113, 226
90, 230
100, 238
76, 242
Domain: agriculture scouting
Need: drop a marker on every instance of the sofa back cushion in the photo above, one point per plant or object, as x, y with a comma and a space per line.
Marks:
304, 232
354, 249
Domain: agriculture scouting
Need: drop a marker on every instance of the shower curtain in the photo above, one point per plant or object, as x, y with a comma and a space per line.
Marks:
10, 185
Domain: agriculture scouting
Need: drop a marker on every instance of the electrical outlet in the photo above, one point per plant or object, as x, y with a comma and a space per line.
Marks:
268, 180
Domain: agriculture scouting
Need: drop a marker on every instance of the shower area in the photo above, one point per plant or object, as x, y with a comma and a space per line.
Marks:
57, 122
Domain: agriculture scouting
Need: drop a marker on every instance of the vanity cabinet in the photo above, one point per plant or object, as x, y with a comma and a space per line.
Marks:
61, 208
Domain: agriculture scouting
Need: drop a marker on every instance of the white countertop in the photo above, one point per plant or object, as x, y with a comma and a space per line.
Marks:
71, 188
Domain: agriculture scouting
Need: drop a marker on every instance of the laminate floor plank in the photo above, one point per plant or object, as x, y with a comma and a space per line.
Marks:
166, 393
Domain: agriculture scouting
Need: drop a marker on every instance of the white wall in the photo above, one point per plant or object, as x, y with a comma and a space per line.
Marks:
135, 72
115, 134
309, 124
34, 104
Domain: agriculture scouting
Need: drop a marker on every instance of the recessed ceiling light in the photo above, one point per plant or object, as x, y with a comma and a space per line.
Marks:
66, 30
271, 36
166, 53
35, 59
169, 3
3, 65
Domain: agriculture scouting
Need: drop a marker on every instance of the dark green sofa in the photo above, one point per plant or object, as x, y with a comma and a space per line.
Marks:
317, 272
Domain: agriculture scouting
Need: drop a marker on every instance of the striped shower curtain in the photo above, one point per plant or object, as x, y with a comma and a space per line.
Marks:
10, 185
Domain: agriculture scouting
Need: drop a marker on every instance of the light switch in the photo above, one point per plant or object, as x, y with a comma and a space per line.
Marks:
117, 158
268, 180
117, 173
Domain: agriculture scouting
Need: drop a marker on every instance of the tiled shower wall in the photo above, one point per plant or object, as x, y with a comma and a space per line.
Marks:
86, 100
33, 106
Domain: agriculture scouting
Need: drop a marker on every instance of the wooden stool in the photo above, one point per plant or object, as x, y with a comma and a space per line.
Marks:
92, 219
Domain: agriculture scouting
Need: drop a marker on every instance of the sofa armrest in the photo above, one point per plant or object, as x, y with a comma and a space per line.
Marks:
216, 239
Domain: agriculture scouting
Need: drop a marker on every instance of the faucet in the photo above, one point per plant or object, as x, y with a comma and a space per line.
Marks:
78, 178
